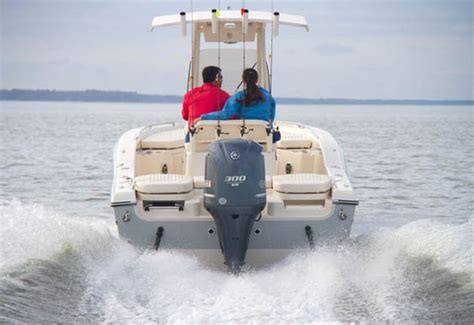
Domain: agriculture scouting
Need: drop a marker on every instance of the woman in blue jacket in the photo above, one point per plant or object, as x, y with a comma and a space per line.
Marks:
253, 103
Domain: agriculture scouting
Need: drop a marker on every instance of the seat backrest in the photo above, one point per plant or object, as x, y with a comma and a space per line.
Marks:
206, 133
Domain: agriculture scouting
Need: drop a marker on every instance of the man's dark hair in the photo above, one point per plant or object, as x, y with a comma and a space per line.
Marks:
210, 73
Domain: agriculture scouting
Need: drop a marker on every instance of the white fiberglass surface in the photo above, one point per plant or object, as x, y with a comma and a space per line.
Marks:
409, 257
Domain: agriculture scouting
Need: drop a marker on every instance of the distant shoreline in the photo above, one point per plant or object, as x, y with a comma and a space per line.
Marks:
134, 97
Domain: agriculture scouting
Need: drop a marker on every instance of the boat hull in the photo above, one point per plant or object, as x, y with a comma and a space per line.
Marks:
199, 233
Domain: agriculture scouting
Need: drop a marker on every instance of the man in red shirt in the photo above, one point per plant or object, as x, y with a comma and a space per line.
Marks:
207, 98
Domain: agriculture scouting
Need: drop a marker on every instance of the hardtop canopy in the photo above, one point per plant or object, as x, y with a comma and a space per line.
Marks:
229, 16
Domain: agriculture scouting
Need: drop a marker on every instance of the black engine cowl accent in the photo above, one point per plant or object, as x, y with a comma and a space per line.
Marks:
234, 194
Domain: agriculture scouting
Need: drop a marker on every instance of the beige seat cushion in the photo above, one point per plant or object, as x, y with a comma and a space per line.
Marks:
163, 183
164, 140
302, 183
293, 140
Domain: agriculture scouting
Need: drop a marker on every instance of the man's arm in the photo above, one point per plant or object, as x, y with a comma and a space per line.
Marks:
185, 110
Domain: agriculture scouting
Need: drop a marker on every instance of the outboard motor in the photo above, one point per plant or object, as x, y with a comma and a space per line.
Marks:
234, 194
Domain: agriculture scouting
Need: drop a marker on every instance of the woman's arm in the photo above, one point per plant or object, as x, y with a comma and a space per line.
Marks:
272, 109
230, 109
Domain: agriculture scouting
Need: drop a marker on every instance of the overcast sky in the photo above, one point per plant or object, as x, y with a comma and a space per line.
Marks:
355, 48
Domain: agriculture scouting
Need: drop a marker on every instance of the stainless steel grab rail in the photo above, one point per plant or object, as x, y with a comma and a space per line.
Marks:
147, 130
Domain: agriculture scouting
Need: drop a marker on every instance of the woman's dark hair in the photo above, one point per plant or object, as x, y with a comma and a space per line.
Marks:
252, 93
209, 74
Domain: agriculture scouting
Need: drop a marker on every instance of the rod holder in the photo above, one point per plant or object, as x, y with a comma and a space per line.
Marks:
276, 23
214, 21
245, 21
182, 16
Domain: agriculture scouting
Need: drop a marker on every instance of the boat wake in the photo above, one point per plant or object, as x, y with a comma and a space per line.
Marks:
55, 268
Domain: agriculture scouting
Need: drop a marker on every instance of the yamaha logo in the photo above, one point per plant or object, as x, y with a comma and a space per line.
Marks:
234, 155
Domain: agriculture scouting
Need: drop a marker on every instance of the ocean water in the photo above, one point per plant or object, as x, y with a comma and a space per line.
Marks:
409, 258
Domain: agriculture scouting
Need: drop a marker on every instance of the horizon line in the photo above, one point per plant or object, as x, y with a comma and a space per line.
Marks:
174, 97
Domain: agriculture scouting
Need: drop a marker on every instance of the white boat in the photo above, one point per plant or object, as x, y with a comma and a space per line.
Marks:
231, 192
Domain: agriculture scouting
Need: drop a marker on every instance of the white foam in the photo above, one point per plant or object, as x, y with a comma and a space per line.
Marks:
369, 279
326, 285
32, 231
